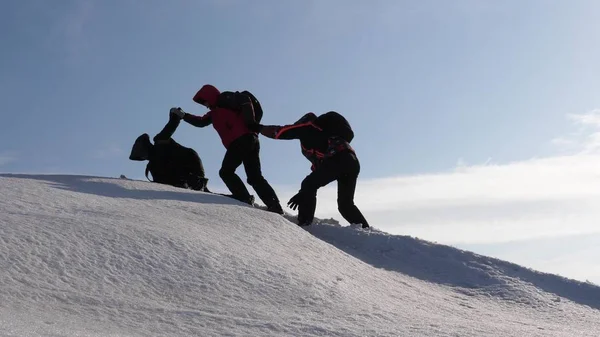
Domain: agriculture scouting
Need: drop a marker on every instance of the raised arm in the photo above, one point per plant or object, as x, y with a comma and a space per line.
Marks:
300, 129
198, 121
169, 129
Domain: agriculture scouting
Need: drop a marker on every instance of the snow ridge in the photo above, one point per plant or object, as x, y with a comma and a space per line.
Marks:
95, 256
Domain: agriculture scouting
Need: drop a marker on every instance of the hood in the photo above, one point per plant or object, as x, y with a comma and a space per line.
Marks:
141, 148
207, 94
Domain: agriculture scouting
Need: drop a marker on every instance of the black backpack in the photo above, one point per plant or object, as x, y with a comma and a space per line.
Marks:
230, 100
335, 124
258, 111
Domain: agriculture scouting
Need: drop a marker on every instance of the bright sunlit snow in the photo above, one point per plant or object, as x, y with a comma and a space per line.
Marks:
92, 256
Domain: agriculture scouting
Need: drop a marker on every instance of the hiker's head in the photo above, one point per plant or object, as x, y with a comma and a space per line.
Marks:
141, 148
207, 96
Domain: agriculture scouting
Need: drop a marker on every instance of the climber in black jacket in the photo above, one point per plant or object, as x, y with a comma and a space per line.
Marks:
332, 159
168, 161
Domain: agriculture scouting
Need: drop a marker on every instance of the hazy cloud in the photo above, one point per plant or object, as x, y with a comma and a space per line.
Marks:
7, 158
487, 203
586, 138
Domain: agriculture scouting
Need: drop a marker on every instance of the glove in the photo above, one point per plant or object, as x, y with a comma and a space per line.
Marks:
295, 201
255, 127
178, 112
269, 131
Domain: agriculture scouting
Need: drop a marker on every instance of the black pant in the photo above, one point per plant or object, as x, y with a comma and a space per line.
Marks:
246, 150
343, 167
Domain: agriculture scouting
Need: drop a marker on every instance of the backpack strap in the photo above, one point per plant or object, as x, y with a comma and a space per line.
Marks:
258, 111
148, 170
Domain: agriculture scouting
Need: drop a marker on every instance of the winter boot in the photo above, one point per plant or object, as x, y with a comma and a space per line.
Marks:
248, 200
275, 208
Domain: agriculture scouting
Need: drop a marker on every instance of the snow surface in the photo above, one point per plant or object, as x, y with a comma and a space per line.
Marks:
95, 256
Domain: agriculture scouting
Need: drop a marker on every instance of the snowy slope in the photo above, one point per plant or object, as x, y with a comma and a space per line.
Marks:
90, 256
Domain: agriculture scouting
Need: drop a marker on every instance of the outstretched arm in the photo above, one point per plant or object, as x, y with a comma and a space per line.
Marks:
198, 121
292, 131
169, 129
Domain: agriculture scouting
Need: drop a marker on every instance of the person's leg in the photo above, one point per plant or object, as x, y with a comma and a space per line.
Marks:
232, 160
194, 169
323, 175
347, 188
256, 179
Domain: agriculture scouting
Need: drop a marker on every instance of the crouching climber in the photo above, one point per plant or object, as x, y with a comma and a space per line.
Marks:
169, 162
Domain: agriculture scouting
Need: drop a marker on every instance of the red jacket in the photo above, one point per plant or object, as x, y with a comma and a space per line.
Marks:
229, 124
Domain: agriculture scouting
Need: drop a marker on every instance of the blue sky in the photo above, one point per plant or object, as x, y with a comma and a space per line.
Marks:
444, 97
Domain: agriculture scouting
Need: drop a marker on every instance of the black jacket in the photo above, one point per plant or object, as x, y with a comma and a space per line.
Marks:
316, 145
170, 162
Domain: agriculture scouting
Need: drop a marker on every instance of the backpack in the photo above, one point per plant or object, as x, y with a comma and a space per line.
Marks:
230, 100
258, 111
335, 125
